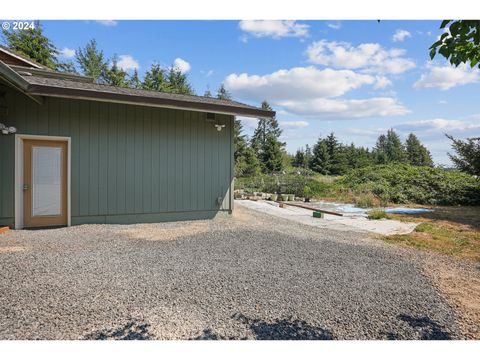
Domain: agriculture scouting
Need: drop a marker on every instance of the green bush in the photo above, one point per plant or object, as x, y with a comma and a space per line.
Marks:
377, 215
366, 200
401, 183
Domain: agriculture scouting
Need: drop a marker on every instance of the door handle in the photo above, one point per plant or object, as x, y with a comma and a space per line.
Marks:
26, 186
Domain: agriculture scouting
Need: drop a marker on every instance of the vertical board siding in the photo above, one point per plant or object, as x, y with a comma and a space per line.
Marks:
127, 159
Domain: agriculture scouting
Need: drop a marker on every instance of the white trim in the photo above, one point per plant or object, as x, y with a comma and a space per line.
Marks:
19, 174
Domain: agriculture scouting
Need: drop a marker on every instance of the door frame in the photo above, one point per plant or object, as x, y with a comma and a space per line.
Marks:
19, 174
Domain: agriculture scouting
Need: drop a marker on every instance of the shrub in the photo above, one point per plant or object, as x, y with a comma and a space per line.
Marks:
401, 183
366, 200
377, 215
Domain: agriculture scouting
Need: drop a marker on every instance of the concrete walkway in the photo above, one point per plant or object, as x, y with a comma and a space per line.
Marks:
356, 223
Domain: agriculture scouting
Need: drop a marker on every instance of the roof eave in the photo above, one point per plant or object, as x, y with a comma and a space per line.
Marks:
44, 90
21, 58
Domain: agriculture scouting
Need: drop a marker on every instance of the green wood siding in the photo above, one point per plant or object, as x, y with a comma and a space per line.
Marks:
128, 163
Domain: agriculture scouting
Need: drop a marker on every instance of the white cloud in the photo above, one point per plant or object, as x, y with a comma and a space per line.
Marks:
365, 132
107, 22
274, 28
401, 35
296, 83
293, 124
345, 109
430, 129
381, 82
370, 57
67, 53
182, 65
127, 62
247, 122
337, 25
447, 77
308, 91
439, 126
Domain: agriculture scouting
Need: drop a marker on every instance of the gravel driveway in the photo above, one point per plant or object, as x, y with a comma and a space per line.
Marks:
250, 276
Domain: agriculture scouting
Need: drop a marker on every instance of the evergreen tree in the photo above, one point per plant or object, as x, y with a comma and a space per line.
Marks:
395, 149
389, 148
358, 157
134, 81
155, 79
178, 82
259, 136
115, 76
467, 156
299, 158
223, 93
92, 61
272, 155
417, 154
380, 150
337, 158
33, 44
308, 155
320, 157
208, 93
247, 164
264, 128
240, 143
252, 164
267, 131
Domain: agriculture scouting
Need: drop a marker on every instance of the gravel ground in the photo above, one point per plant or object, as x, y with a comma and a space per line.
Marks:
250, 276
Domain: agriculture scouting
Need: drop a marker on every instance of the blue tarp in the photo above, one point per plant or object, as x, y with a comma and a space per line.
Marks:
407, 210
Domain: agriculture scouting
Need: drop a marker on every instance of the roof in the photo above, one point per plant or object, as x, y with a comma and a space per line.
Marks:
21, 58
38, 82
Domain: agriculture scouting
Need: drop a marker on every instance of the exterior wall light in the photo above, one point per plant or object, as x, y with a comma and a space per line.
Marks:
219, 127
7, 129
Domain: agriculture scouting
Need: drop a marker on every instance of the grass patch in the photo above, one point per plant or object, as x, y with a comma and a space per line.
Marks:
448, 230
377, 215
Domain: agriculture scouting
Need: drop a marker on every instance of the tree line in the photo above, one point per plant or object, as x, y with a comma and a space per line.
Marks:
329, 157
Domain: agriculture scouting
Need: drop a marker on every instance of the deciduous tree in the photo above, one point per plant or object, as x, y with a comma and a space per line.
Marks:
460, 42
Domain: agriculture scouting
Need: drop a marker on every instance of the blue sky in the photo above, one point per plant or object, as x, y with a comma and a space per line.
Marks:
356, 78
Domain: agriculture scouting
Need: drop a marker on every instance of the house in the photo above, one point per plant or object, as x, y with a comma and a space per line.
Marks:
76, 152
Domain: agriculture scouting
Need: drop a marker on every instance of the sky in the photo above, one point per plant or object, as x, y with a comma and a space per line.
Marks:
355, 78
